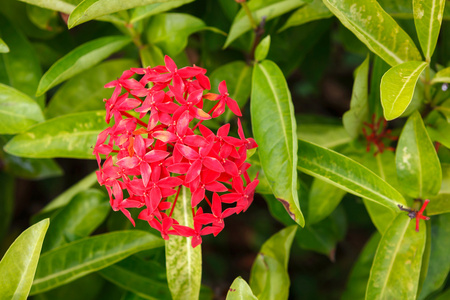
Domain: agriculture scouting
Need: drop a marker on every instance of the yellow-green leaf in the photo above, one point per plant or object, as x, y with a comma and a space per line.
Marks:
442, 76
308, 13
428, 19
397, 87
240, 290
375, 28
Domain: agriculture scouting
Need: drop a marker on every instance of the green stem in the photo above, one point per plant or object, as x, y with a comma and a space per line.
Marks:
427, 85
135, 35
249, 14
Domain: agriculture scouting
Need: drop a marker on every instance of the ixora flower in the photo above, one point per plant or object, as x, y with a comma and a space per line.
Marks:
152, 151
418, 215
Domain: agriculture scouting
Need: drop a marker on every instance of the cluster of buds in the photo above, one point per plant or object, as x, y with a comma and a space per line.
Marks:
378, 132
152, 150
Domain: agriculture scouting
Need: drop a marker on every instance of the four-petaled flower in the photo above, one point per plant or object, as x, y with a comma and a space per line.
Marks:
151, 157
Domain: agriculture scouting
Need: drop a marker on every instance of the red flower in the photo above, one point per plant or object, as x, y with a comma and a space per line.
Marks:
152, 160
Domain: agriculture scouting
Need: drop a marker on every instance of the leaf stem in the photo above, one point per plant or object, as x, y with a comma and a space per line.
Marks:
427, 85
250, 15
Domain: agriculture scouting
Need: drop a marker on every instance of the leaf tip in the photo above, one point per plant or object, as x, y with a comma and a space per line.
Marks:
287, 205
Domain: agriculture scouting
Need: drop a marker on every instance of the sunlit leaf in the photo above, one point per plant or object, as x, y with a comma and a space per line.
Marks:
387, 39
183, 263
239, 290
67, 136
442, 76
428, 19
3, 47
274, 129
18, 266
397, 87
396, 267
308, 13
142, 12
262, 49
418, 167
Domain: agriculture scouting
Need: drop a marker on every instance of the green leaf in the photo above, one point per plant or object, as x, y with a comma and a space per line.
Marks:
78, 219
263, 186
85, 91
354, 118
383, 164
151, 56
357, 281
92, 9
269, 278
239, 290
142, 12
418, 167
145, 279
67, 195
17, 111
428, 19
82, 257
274, 128
439, 204
21, 64
67, 136
444, 295
170, 31
439, 265
346, 174
397, 87
183, 263
269, 10
6, 202
237, 75
325, 135
18, 266
3, 46
80, 59
308, 13
262, 49
323, 200
387, 39
396, 267
44, 18
442, 76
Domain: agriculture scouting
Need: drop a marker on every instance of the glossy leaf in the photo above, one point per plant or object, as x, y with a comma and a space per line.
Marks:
85, 91
396, 267
151, 56
68, 194
269, 278
92, 9
6, 202
428, 19
439, 265
170, 31
76, 259
308, 13
388, 40
21, 64
142, 12
18, 266
241, 23
347, 174
357, 281
397, 87
383, 164
67, 136
354, 119
418, 167
145, 279
57, 5
239, 290
237, 75
81, 58
183, 263
17, 111
323, 199
84, 213
3, 46
325, 135
442, 76
274, 129
262, 49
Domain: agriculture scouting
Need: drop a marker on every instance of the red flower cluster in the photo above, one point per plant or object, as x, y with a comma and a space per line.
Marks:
378, 132
152, 160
